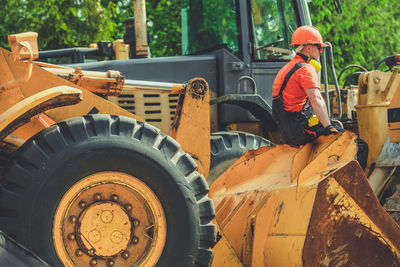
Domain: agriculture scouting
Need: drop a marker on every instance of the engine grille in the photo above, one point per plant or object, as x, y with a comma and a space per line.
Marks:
157, 109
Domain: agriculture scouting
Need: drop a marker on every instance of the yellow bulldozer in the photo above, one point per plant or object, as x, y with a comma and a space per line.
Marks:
86, 183
83, 189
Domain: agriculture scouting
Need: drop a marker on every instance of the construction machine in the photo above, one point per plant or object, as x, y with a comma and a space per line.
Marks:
107, 189
314, 205
238, 47
83, 185
86, 183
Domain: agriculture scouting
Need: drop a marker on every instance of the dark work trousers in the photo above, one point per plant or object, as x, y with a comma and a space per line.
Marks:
293, 126
362, 152
294, 129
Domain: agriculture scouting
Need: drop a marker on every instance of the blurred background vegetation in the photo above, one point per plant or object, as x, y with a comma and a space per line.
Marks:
73, 23
363, 33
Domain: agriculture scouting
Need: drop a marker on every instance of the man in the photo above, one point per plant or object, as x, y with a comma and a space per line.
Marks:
296, 95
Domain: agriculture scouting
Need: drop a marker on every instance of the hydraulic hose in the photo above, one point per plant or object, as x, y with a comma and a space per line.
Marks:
325, 79
349, 67
330, 58
390, 61
349, 77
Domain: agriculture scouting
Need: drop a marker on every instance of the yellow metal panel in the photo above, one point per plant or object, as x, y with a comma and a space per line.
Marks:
376, 91
224, 255
24, 110
121, 49
195, 110
236, 229
33, 101
281, 240
284, 227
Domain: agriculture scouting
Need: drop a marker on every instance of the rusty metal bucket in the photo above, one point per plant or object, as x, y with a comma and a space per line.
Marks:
282, 206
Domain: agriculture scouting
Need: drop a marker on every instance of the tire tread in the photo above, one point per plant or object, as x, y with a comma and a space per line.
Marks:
68, 132
226, 147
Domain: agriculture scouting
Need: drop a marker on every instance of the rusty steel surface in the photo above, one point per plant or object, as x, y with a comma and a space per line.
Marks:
125, 228
392, 205
268, 205
348, 226
191, 126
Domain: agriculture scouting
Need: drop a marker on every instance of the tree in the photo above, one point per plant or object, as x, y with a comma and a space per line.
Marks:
59, 23
364, 33
164, 27
72, 23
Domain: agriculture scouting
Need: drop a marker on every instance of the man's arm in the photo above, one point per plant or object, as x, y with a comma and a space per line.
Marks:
318, 105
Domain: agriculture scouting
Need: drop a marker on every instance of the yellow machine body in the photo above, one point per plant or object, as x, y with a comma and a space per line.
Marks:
276, 206
284, 206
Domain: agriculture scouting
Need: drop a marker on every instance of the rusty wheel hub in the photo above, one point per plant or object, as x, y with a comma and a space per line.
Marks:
108, 219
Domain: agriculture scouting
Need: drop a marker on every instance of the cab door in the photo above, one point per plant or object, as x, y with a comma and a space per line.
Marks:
271, 25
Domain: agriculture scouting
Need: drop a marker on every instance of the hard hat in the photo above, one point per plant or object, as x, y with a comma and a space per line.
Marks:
307, 35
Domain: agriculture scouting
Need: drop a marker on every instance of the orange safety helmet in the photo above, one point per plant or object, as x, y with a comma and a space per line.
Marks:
304, 35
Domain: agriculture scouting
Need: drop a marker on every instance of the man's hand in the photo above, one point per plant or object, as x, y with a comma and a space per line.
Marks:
331, 129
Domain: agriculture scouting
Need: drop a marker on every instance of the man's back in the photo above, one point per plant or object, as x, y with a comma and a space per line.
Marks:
294, 95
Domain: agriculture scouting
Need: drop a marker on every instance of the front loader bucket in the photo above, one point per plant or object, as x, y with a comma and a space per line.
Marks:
282, 206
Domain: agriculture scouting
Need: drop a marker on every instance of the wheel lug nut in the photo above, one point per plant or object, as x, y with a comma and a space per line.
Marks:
79, 252
97, 197
92, 251
93, 262
128, 207
110, 263
71, 236
82, 204
135, 240
125, 255
114, 198
136, 222
72, 219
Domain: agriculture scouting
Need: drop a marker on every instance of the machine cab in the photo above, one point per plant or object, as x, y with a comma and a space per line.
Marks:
251, 39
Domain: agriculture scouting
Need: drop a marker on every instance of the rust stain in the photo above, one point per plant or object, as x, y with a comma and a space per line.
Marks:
336, 237
278, 213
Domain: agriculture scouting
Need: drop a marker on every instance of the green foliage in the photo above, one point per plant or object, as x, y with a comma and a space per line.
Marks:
208, 24
73, 23
364, 33
59, 23
164, 27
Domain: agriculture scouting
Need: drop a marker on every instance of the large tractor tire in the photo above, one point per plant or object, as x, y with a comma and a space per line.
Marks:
107, 190
227, 147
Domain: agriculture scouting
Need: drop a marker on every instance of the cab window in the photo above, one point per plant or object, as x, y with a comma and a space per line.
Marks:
273, 23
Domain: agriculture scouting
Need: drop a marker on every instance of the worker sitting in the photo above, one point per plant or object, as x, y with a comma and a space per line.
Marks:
296, 95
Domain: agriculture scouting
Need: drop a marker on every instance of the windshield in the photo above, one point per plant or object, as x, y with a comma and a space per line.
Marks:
208, 24
274, 22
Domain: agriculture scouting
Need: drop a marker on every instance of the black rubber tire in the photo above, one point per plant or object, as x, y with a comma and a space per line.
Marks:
227, 147
52, 161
